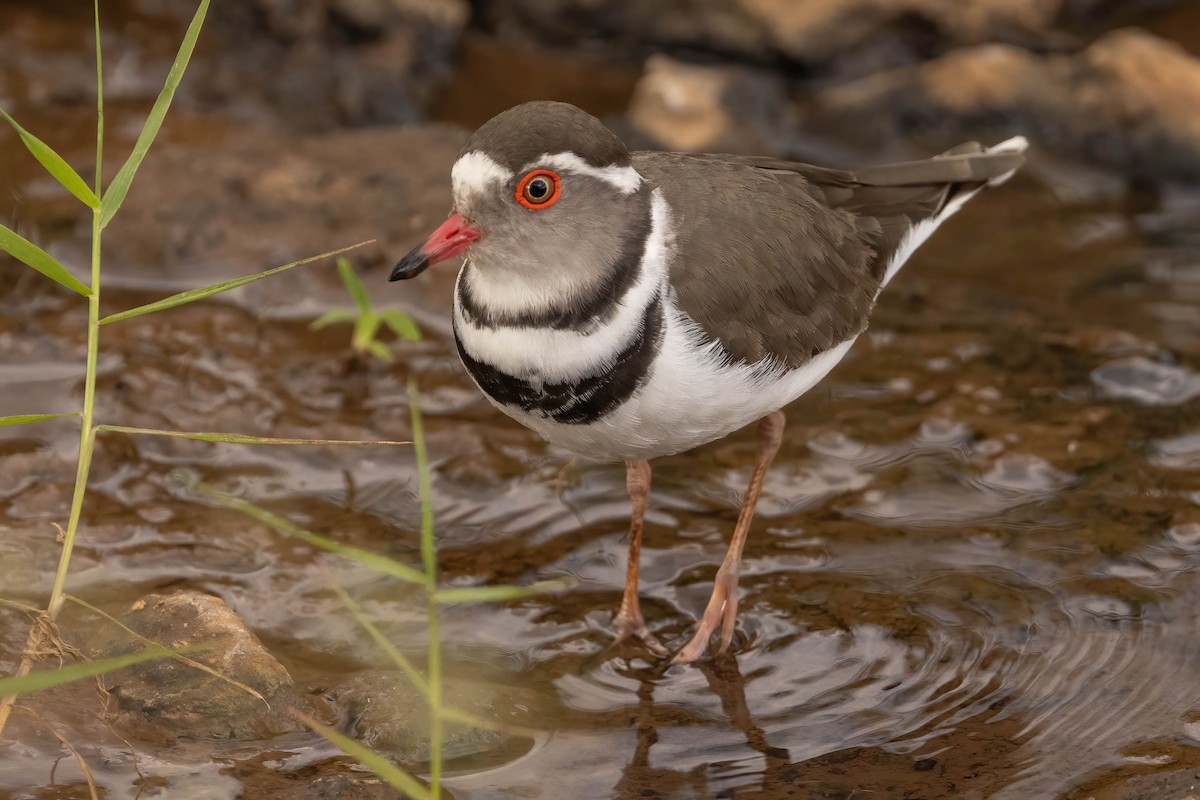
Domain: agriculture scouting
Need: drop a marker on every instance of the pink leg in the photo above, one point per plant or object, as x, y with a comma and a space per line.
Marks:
629, 621
722, 606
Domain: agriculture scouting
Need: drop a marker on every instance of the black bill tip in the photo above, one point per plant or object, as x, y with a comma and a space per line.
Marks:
410, 266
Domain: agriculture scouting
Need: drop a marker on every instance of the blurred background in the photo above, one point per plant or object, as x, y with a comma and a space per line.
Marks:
974, 569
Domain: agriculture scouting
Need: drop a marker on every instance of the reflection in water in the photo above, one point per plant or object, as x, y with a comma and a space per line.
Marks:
725, 681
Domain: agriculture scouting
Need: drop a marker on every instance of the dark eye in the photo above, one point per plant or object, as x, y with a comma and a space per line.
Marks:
538, 189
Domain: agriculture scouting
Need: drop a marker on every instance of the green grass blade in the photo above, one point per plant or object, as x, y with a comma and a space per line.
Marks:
380, 351
429, 562
364, 330
398, 658
25, 419
367, 558
48, 679
424, 483
334, 316
401, 324
192, 295
29, 253
487, 594
54, 164
354, 286
115, 194
236, 438
396, 778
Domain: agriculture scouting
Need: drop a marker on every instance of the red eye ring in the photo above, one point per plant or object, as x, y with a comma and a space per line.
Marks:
551, 187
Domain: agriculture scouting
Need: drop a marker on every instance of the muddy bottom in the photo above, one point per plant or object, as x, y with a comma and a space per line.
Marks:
973, 571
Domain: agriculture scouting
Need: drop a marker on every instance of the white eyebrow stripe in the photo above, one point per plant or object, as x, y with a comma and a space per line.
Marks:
625, 179
477, 173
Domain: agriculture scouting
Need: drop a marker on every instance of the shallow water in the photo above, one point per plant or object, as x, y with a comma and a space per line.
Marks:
973, 573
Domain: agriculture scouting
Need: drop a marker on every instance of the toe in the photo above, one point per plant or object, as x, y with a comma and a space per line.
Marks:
694, 649
653, 644
633, 626
728, 623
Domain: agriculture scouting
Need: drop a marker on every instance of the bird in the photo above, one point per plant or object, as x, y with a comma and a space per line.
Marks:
629, 305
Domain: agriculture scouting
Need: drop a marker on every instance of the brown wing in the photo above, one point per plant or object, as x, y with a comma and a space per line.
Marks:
777, 258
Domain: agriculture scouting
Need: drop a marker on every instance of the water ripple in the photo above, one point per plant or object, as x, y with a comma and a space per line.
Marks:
1146, 382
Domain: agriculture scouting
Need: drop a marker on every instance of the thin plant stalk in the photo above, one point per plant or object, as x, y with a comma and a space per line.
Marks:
87, 432
429, 560
238, 438
88, 775
99, 102
389, 772
399, 659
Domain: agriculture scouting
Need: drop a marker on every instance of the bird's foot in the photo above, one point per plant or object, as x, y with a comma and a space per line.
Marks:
720, 612
631, 625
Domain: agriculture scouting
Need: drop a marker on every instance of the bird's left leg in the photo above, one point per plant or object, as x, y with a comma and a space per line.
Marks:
722, 606
629, 621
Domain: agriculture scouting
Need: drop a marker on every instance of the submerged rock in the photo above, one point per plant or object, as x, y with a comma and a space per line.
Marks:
169, 694
348, 787
387, 713
1130, 101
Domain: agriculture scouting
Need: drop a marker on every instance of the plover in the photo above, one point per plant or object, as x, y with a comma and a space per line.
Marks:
629, 305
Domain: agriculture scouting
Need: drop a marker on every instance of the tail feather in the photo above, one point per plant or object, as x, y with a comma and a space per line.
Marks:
987, 167
969, 162
1016, 145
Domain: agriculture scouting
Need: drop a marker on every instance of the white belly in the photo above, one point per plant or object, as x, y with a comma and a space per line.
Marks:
693, 396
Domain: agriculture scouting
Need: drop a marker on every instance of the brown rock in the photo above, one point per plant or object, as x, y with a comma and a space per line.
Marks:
298, 65
826, 30
1130, 101
171, 695
335, 62
715, 109
839, 36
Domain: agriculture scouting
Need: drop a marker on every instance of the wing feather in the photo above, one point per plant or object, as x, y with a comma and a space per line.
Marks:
783, 260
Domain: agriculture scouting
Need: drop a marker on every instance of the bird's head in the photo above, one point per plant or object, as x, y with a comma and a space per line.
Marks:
544, 194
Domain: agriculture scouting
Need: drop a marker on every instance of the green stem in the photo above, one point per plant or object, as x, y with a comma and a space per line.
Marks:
99, 100
435, 702
87, 433
87, 429
429, 560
